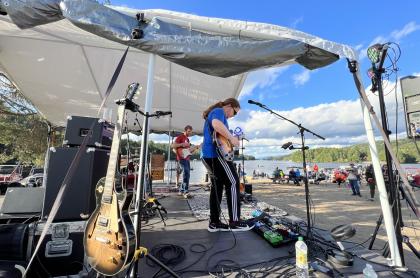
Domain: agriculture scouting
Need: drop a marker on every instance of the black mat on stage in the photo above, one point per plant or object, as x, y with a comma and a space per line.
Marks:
248, 249
244, 249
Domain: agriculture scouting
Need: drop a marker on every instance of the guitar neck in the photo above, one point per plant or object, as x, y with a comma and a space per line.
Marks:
113, 157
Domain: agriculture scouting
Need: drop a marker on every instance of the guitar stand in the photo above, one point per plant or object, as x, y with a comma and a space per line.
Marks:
154, 205
142, 252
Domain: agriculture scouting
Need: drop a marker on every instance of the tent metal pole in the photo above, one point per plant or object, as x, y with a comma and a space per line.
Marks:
168, 167
383, 195
168, 161
143, 155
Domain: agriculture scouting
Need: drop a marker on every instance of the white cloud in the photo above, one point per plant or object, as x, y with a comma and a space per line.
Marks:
405, 31
341, 123
394, 36
301, 78
261, 79
296, 22
416, 73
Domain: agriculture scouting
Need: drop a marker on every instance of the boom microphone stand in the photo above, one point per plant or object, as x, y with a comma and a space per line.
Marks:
303, 148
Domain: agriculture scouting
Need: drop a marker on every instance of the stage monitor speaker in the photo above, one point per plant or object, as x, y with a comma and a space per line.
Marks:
79, 200
410, 89
23, 200
78, 127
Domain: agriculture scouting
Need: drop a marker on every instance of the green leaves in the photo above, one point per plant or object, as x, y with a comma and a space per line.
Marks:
407, 153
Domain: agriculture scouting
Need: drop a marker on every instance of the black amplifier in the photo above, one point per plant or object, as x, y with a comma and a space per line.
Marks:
78, 128
79, 199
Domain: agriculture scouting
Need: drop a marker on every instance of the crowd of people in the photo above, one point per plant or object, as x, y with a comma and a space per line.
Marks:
351, 176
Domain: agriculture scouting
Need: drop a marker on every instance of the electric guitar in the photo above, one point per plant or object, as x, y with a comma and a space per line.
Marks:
186, 152
109, 238
225, 147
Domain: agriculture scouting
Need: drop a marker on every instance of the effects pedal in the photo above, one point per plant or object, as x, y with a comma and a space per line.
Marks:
268, 234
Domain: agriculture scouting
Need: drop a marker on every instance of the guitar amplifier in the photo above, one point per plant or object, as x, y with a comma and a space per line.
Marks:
61, 252
79, 199
78, 128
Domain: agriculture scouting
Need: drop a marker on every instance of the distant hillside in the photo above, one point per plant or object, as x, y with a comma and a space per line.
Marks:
407, 153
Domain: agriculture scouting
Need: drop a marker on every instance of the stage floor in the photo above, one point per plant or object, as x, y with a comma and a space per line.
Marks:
240, 254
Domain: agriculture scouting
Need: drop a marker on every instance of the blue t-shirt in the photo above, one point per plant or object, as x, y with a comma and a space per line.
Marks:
209, 148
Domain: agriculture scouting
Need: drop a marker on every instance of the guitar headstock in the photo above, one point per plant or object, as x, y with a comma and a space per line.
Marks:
131, 91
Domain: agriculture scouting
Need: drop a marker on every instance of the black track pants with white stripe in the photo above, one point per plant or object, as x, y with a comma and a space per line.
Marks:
223, 173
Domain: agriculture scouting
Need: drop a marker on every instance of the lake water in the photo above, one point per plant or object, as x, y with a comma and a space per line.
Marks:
264, 166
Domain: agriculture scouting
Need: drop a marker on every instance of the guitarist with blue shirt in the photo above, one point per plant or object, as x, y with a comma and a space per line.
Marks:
220, 165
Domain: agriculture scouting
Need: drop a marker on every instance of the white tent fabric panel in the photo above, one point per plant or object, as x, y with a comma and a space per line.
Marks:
65, 71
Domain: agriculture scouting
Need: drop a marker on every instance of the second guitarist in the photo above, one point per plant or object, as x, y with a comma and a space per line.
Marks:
183, 152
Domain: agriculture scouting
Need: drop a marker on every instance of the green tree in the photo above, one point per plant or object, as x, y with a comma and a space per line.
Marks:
23, 135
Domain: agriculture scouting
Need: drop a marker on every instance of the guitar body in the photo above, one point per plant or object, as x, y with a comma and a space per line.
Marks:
110, 240
224, 146
184, 153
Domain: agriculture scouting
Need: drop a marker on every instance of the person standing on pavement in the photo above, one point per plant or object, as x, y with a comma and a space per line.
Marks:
353, 180
371, 181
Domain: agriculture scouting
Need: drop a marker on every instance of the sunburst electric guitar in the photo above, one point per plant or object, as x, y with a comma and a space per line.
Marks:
109, 238
225, 147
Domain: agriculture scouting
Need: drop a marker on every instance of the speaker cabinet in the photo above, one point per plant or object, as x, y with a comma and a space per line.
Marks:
78, 128
410, 88
79, 199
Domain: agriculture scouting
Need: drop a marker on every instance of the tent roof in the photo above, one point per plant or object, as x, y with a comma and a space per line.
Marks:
65, 70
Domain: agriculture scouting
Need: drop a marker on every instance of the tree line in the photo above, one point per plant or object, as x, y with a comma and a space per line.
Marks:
406, 150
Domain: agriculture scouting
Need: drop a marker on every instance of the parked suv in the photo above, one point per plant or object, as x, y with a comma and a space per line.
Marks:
9, 175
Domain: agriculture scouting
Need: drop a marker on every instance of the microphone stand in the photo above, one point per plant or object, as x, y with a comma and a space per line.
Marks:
303, 148
243, 159
141, 199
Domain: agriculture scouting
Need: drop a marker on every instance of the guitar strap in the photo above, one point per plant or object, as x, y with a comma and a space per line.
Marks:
211, 131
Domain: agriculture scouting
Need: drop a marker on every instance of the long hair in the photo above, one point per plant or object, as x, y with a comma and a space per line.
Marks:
229, 101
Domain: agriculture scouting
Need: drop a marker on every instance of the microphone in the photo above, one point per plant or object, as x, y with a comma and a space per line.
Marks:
254, 102
286, 145
163, 113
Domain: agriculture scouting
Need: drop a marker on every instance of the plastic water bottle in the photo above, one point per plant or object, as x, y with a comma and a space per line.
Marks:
301, 259
369, 272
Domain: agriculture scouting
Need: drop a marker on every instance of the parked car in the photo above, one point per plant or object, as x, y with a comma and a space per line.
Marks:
416, 181
9, 175
36, 170
33, 180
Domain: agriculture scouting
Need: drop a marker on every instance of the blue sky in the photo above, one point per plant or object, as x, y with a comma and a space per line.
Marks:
328, 93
